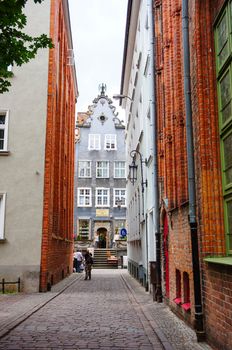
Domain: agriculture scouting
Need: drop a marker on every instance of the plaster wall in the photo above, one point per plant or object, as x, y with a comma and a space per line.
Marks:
22, 170
139, 135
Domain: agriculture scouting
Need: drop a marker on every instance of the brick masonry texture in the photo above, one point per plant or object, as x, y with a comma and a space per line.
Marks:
57, 242
216, 280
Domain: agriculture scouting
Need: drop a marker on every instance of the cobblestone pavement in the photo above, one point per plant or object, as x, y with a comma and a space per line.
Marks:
166, 324
112, 311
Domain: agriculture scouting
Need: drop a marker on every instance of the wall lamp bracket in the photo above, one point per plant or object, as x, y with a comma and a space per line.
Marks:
120, 97
133, 168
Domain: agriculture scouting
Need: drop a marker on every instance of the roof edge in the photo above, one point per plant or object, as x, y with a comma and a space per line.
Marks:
129, 9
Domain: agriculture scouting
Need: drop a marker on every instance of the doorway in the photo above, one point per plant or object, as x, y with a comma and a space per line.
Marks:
102, 237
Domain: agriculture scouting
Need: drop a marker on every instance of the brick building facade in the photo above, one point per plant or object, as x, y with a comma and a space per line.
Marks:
57, 240
210, 51
37, 117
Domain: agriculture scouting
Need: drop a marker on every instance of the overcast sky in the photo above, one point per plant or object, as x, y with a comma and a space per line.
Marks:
98, 29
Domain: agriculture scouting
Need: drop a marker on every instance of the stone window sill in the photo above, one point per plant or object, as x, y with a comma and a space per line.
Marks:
4, 153
186, 306
2, 240
227, 260
177, 301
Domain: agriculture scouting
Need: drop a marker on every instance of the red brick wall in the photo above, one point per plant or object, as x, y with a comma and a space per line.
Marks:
218, 305
57, 241
206, 133
216, 281
180, 257
172, 142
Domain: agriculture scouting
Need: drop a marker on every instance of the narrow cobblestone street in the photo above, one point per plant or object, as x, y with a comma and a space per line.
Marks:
111, 311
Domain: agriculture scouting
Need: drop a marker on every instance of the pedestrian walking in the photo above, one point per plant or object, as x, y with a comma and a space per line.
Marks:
88, 265
74, 262
79, 259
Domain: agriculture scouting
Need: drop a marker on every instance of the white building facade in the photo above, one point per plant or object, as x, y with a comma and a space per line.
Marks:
137, 87
100, 212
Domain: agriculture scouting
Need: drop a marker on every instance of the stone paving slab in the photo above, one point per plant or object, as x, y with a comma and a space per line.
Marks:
15, 308
172, 331
112, 311
96, 314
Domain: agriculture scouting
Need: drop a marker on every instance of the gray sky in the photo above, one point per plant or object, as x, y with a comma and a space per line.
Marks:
98, 29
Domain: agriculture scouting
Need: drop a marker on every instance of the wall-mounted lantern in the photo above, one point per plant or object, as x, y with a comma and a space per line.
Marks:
133, 168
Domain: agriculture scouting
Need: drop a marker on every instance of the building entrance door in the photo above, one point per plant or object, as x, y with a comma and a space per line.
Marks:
102, 237
166, 254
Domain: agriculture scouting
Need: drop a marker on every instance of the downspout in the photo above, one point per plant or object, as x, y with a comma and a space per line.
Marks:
199, 323
158, 291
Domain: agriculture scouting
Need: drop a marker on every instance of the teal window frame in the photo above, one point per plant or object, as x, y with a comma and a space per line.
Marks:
223, 68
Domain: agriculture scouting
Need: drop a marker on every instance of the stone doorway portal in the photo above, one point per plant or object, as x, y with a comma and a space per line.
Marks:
102, 237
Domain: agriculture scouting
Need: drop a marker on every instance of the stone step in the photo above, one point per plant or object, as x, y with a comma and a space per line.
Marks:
100, 258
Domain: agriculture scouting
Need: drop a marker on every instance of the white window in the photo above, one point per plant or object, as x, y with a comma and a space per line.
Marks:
102, 169
84, 197
3, 130
94, 142
102, 197
83, 231
84, 168
110, 142
119, 197
119, 169
2, 214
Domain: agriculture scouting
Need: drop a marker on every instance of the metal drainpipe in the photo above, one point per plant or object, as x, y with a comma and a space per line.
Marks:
199, 323
158, 292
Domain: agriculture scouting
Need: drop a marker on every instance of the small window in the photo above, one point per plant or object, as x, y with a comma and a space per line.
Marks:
120, 169
84, 197
94, 142
146, 22
186, 304
83, 232
119, 197
139, 61
178, 299
102, 197
136, 79
102, 169
84, 168
147, 65
3, 130
110, 142
2, 214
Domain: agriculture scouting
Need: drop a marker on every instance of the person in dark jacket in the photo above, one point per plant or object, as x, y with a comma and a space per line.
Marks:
88, 265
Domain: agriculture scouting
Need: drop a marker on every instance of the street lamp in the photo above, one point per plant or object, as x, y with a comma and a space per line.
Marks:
120, 96
133, 177
133, 171
133, 168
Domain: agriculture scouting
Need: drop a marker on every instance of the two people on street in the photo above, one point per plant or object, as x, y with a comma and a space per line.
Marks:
79, 260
